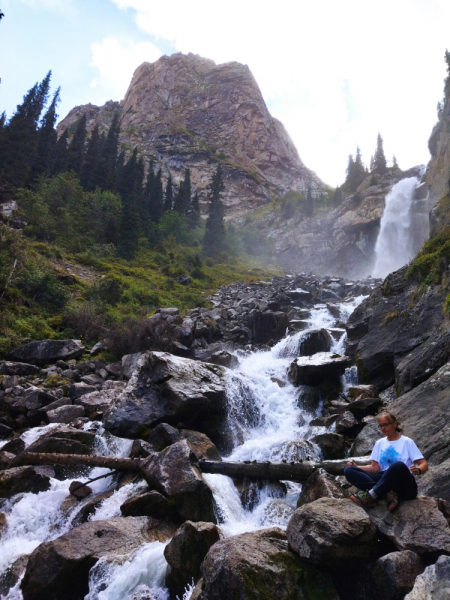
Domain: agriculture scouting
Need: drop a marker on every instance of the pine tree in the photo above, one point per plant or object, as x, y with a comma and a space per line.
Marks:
215, 237
349, 172
107, 177
89, 173
394, 162
130, 189
146, 210
194, 214
75, 151
168, 196
47, 140
379, 158
60, 154
182, 203
2, 120
157, 200
309, 204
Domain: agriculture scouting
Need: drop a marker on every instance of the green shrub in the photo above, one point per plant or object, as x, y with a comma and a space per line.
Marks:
432, 260
44, 288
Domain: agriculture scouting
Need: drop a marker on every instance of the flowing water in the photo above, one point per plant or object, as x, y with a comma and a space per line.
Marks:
267, 424
397, 241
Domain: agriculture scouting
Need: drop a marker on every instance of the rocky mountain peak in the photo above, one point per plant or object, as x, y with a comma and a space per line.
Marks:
186, 111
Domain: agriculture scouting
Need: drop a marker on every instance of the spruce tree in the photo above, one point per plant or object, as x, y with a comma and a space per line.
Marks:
379, 158
168, 196
194, 214
60, 154
394, 162
182, 203
215, 237
47, 140
309, 204
88, 178
75, 151
107, 176
130, 189
157, 200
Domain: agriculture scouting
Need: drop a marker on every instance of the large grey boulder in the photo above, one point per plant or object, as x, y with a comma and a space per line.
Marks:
18, 368
166, 388
313, 370
434, 583
420, 525
59, 569
436, 481
42, 352
101, 400
314, 341
149, 504
332, 534
18, 480
185, 553
259, 565
174, 472
65, 414
394, 574
365, 440
332, 445
267, 326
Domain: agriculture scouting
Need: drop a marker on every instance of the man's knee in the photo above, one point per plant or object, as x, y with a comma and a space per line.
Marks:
399, 467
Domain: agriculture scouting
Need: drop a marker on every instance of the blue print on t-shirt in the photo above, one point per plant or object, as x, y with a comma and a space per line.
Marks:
388, 457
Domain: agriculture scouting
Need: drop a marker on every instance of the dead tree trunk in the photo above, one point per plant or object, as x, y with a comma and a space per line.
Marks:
43, 458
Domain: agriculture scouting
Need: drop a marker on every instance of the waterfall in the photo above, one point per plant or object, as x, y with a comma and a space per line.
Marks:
397, 241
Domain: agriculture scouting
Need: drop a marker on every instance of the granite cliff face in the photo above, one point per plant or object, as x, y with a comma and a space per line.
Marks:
186, 111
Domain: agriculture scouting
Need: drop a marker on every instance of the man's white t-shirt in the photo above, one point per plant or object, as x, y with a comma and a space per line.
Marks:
387, 453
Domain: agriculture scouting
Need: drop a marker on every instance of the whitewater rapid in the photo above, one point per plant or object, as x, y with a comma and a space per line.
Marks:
267, 424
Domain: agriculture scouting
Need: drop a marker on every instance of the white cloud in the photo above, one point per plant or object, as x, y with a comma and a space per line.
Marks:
302, 53
116, 63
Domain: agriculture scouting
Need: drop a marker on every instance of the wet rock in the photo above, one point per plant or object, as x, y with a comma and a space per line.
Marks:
88, 508
92, 380
346, 424
224, 359
333, 534
320, 485
259, 565
308, 398
174, 472
79, 490
54, 405
150, 504
162, 435
5, 431
436, 481
420, 525
362, 391
201, 445
169, 389
268, 326
60, 446
98, 401
36, 399
77, 390
314, 341
18, 368
42, 352
141, 449
394, 574
365, 440
332, 445
59, 569
22, 480
312, 370
65, 414
185, 553
129, 362
5, 459
10, 577
433, 583
363, 407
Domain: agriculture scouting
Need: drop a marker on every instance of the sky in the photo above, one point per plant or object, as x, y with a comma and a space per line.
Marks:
335, 72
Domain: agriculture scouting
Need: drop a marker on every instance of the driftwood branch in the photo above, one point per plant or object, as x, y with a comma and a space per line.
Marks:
273, 471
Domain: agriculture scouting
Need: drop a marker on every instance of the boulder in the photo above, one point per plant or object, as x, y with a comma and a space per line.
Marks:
224, 359
42, 352
19, 480
97, 401
332, 445
308, 398
174, 472
149, 504
394, 574
420, 525
185, 553
18, 368
333, 534
201, 445
162, 435
170, 389
14, 446
59, 569
129, 362
314, 341
77, 390
362, 391
312, 370
433, 583
37, 399
79, 490
5, 459
320, 485
65, 414
88, 508
5, 431
268, 326
346, 424
60, 446
435, 482
259, 565
364, 407
365, 440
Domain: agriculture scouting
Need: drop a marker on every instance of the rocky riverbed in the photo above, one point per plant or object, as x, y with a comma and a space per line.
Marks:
263, 377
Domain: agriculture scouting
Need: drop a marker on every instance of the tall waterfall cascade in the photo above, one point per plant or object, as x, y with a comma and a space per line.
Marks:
404, 227
268, 423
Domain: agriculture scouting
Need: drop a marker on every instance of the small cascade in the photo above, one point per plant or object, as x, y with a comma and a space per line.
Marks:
399, 237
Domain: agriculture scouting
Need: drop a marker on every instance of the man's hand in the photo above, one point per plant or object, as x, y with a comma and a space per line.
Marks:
351, 463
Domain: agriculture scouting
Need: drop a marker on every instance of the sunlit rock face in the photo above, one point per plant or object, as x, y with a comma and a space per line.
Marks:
186, 111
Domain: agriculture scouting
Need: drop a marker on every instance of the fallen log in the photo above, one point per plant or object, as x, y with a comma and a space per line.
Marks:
278, 471
270, 471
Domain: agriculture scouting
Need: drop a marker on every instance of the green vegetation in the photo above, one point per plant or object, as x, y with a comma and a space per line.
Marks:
432, 259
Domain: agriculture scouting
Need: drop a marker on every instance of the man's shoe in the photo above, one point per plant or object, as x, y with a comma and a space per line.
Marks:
392, 501
364, 499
